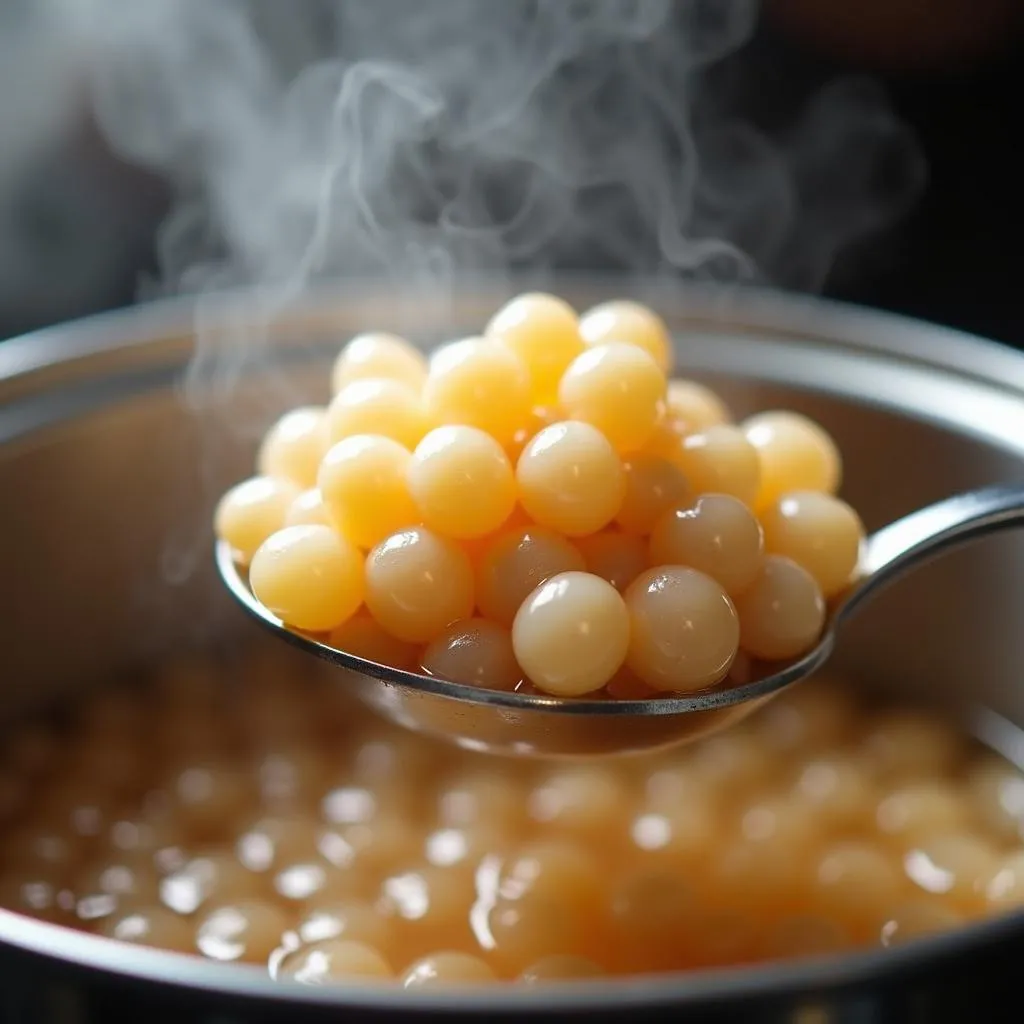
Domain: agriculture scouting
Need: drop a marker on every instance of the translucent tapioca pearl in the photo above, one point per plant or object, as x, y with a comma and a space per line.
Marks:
921, 811
364, 637
479, 382
617, 388
373, 848
795, 454
289, 776
653, 917
559, 968
308, 509
627, 685
955, 865
335, 962
294, 445
559, 872
448, 970
417, 582
461, 482
429, 907
363, 484
683, 629
614, 556
585, 801
378, 355
134, 840
106, 886
543, 330
380, 407
476, 652
515, 563
478, 796
622, 320
839, 793
696, 405
996, 791
251, 512
516, 933
1003, 886
310, 577
151, 926
776, 820
857, 882
571, 634
804, 935
719, 460
717, 535
246, 931
307, 881
38, 892
782, 612
817, 531
904, 745
817, 715
208, 800
214, 877
916, 920
682, 834
539, 418
465, 847
385, 758
653, 486
733, 764
759, 879
570, 479
352, 920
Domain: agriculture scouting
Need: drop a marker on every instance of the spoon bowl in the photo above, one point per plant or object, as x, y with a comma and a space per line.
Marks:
526, 725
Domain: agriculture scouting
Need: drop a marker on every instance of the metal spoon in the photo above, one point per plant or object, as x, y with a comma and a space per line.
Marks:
526, 725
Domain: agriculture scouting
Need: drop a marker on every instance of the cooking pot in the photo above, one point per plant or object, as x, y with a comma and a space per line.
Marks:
111, 460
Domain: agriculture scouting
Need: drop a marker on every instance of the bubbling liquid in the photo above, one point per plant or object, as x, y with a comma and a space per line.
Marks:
335, 849
556, 442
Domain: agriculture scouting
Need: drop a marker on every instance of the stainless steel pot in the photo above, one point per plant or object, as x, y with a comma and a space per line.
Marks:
109, 472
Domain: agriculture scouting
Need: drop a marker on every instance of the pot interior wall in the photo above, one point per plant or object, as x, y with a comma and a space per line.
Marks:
106, 544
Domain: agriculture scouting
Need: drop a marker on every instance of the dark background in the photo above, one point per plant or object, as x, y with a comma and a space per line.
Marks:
81, 224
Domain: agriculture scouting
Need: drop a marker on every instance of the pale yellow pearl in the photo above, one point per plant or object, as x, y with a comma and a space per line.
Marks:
720, 460
294, 446
308, 509
479, 383
364, 637
445, 970
782, 613
817, 531
617, 388
717, 535
653, 486
571, 634
334, 962
696, 405
543, 330
795, 454
684, 631
381, 356
378, 406
461, 482
570, 479
624, 321
310, 577
251, 511
417, 582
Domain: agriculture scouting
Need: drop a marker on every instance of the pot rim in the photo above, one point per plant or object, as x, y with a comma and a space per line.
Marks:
28, 365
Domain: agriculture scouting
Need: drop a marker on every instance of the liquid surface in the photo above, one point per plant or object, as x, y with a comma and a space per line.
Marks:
244, 811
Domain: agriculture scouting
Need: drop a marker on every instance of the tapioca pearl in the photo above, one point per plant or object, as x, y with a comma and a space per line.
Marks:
379, 355
775, 820
479, 796
308, 509
696, 405
1003, 885
294, 445
336, 962
352, 919
623, 320
716, 534
904, 745
560, 968
955, 866
617, 388
268, 843
37, 891
921, 811
858, 882
817, 715
627, 685
80, 808
515, 563
795, 454
759, 878
207, 799
653, 486
590, 802
558, 872
838, 792
213, 877
244, 931
154, 926
732, 764
718, 460
916, 920
539, 418
448, 970
251, 512
105, 886
366, 638
290, 776
996, 791
516, 933
375, 848
378, 406
727, 936
614, 556
543, 331
463, 848
476, 652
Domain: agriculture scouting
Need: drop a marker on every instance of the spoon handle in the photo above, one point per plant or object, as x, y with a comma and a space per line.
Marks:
929, 531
